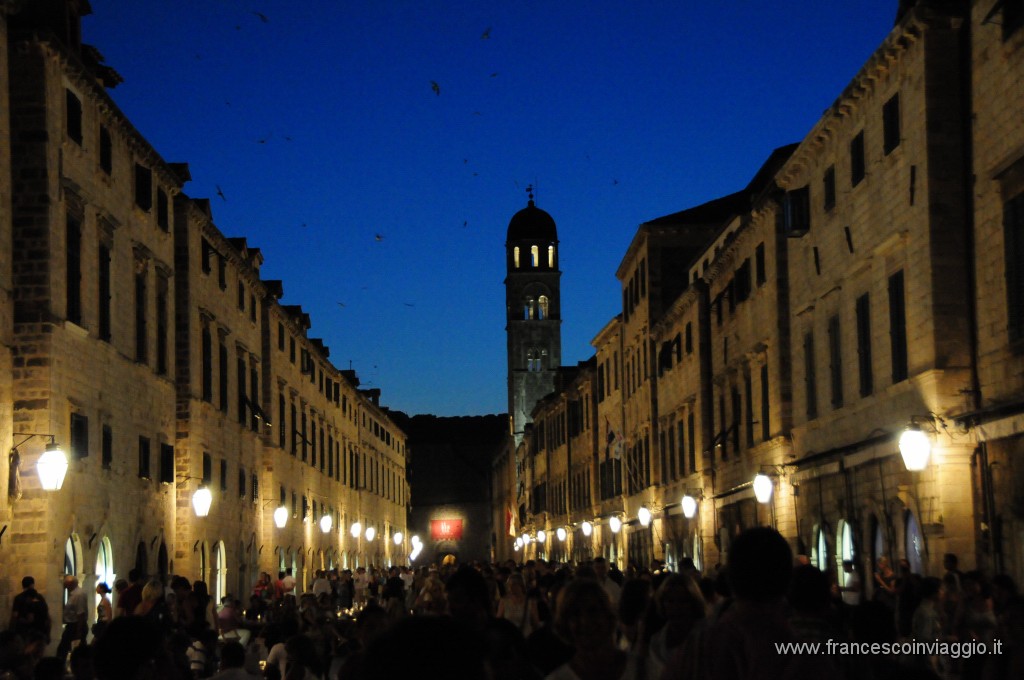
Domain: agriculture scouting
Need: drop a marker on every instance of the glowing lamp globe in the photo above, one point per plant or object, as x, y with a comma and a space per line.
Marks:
689, 507
615, 524
560, 533
370, 533
51, 467
281, 517
201, 501
356, 529
644, 515
326, 522
397, 538
542, 536
915, 448
762, 488
588, 528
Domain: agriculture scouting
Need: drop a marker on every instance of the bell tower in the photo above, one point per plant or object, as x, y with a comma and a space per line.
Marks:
533, 312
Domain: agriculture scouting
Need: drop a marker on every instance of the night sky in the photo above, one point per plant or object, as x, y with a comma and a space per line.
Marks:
376, 150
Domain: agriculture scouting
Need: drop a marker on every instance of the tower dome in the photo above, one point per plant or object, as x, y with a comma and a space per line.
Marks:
531, 224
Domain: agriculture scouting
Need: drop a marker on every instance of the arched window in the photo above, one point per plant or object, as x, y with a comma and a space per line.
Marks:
915, 544
529, 307
104, 565
203, 564
819, 552
844, 552
551, 257
542, 307
515, 257
535, 256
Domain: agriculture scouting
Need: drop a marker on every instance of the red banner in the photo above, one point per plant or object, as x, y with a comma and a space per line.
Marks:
446, 529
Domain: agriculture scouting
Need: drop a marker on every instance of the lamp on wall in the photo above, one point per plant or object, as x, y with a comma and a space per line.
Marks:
560, 533
397, 538
691, 502
370, 533
281, 516
542, 536
587, 528
52, 465
763, 487
356, 529
614, 523
915, 444
644, 515
326, 522
202, 499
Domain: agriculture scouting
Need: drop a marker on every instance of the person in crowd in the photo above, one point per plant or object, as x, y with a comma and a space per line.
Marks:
430, 647
232, 663
76, 608
885, 583
975, 619
611, 587
29, 610
516, 607
586, 619
634, 604
230, 624
130, 598
681, 607
926, 623
850, 591
104, 609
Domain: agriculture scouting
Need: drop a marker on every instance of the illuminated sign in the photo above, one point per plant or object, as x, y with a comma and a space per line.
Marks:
446, 529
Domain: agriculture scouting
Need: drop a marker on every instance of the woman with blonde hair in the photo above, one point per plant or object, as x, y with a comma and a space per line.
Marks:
517, 607
586, 620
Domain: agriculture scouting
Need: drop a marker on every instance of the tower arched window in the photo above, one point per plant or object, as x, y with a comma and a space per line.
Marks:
542, 307
529, 307
551, 257
515, 257
535, 256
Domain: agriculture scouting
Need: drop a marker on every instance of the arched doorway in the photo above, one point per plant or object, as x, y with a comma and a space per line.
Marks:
844, 553
914, 544
142, 559
104, 565
219, 582
163, 566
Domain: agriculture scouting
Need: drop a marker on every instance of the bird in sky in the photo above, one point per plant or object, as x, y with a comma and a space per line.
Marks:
465, 223
378, 237
494, 75
615, 181
435, 87
341, 304
408, 304
486, 34
262, 16
220, 192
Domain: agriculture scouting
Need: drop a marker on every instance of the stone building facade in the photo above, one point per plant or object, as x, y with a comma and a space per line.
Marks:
143, 342
865, 283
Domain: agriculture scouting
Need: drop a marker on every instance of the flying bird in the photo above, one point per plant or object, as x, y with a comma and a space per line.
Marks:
486, 34
408, 304
615, 181
220, 193
465, 223
378, 237
494, 75
435, 87
341, 304
262, 16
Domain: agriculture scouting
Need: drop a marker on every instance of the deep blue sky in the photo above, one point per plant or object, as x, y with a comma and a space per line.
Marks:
321, 127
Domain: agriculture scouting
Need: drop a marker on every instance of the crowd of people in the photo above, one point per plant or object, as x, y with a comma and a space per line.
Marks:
532, 621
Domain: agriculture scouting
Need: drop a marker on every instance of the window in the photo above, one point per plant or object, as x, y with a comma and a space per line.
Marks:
141, 341
255, 484
829, 188
866, 377
810, 383
691, 441
106, 151
857, 159
222, 272
143, 187
897, 327
534, 256
689, 337
166, 464
542, 307
74, 270
240, 376
291, 350
742, 282
162, 327
835, 361
1013, 17
222, 354
162, 210
223, 475
280, 336
796, 212
252, 307
74, 117
515, 257
241, 482
241, 296
207, 342
79, 435
207, 469
254, 390
281, 440
144, 458
106, 447
748, 401
551, 257
762, 275
737, 405
104, 292
766, 430
891, 124
207, 253
1013, 231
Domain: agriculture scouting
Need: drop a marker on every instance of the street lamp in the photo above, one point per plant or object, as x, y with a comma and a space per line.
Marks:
201, 501
762, 488
689, 504
644, 515
397, 538
542, 536
326, 522
52, 465
915, 448
356, 529
370, 533
281, 517
587, 528
560, 533
614, 523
